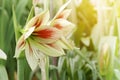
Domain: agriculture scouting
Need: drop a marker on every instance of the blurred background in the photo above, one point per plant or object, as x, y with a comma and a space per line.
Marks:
97, 35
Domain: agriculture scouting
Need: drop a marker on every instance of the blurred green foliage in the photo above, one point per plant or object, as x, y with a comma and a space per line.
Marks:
7, 38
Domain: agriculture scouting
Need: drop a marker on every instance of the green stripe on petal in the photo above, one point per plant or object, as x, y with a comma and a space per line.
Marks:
66, 43
50, 51
56, 46
62, 44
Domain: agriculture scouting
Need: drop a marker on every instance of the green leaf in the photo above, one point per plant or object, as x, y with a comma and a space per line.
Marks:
31, 14
16, 25
81, 75
3, 73
117, 74
20, 9
2, 21
53, 67
23, 69
63, 76
61, 62
44, 66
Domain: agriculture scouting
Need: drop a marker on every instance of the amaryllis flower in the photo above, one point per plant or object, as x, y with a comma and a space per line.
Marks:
43, 37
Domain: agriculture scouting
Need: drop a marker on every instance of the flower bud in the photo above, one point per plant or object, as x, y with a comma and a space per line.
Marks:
104, 59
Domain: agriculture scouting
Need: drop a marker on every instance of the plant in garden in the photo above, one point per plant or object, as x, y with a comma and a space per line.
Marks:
42, 38
79, 43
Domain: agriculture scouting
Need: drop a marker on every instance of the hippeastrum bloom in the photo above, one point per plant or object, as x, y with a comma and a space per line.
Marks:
43, 37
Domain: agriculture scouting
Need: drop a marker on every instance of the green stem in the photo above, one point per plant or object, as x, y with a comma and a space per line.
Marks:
23, 69
47, 68
3, 73
80, 54
20, 68
20, 61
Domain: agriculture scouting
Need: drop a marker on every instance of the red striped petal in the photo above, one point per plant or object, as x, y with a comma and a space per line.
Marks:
20, 46
64, 14
21, 42
58, 26
38, 20
48, 33
60, 16
65, 26
30, 49
38, 23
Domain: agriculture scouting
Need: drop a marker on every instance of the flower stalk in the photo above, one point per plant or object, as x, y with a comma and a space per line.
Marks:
21, 62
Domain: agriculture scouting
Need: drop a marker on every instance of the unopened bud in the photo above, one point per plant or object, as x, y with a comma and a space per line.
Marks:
104, 59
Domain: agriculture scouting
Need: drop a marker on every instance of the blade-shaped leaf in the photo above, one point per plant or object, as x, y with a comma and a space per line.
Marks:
3, 73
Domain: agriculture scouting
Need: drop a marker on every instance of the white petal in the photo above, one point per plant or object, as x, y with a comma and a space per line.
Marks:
45, 20
67, 27
43, 17
62, 8
2, 55
29, 32
32, 61
66, 13
57, 46
40, 57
